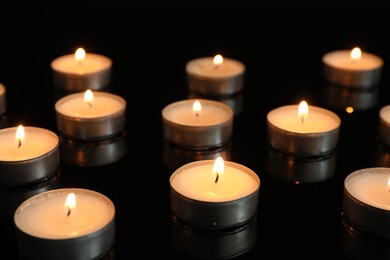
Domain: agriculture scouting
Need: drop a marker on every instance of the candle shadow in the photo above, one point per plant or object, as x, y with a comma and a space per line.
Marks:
93, 153
340, 97
234, 101
174, 156
300, 169
359, 245
212, 244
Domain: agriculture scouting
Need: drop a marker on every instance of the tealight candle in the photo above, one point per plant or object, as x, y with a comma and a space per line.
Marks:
27, 154
215, 76
354, 68
3, 103
90, 115
67, 223
79, 71
384, 125
303, 130
366, 200
197, 123
214, 194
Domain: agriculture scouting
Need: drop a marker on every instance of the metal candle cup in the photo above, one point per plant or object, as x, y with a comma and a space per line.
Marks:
70, 75
365, 201
105, 118
206, 78
88, 232
317, 135
384, 125
35, 160
213, 127
339, 68
198, 201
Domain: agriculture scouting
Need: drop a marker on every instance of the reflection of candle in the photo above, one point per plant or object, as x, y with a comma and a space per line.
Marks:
90, 116
207, 124
3, 103
384, 125
78, 71
352, 68
27, 154
311, 132
214, 194
50, 226
366, 201
215, 76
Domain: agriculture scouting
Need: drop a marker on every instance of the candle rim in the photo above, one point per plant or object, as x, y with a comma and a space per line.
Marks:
311, 108
75, 190
376, 170
328, 55
235, 165
27, 129
96, 94
210, 59
107, 64
204, 103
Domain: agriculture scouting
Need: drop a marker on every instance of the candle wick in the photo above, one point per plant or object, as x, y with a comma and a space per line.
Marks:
197, 114
216, 178
89, 104
216, 66
302, 119
69, 211
19, 143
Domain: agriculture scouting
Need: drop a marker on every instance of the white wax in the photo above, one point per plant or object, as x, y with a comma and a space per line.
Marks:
92, 63
212, 113
38, 141
196, 181
341, 59
384, 113
103, 105
370, 186
45, 216
317, 121
205, 67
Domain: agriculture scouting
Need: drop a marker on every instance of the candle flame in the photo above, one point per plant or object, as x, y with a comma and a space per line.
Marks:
19, 137
70, 203
218, 169
356, 53
303, 110
218, 60
88, 97
79, 54
197, 108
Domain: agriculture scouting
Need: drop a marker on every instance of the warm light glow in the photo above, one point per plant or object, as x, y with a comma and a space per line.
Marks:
197, 108
356, 53
303, 110
218, 169
88, 97
19, 137
218, 60
349, 110
79, 54
388, 183
70, 203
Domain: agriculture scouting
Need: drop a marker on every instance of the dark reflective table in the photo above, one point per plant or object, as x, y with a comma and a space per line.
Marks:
299, 212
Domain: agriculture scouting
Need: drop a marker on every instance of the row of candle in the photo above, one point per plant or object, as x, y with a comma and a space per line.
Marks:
228, 182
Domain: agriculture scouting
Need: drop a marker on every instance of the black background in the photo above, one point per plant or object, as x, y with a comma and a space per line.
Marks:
281, 44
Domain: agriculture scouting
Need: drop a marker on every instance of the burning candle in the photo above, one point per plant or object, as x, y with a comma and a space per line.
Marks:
214, 194
384, 125
215, 76
198, 123
366, 200
302, 130
352, 68
28, 154
79, 71
91, 115
68, 223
